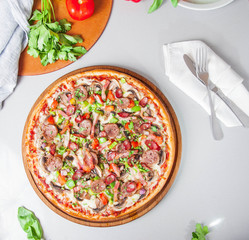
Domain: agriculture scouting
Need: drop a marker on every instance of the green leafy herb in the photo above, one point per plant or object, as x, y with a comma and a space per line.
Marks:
70, 184
122, 80
48, 40
200, 232
135, 108
113, 145
154, 128
61, 150
113, 120
30, 224
102, 140
131, 126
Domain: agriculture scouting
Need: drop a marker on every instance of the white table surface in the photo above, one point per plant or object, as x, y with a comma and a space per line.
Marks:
211, 186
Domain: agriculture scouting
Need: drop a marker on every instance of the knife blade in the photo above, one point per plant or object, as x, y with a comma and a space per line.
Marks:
243, 118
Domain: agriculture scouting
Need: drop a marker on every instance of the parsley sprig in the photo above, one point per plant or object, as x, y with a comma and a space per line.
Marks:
200, 232
47, 38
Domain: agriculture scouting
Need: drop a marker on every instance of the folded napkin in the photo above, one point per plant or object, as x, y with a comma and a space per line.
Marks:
220, 73
13, 29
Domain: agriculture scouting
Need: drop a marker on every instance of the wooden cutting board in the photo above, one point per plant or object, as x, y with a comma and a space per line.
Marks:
90, 29
157, 198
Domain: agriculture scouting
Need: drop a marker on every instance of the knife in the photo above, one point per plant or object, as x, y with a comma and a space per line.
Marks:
243, 118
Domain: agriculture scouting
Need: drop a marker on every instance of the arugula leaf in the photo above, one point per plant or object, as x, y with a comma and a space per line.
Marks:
30, 224
155, 5
200, 232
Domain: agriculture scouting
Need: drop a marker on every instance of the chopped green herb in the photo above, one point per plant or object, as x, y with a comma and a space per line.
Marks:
113, 145
122, 80
60, 120
154, 128
113, 120
70, 183
57, 173
123, 122
112, 184
135, 108
61, 150
102, 140
131, 126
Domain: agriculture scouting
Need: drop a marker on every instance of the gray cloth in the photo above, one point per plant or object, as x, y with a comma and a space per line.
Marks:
13, 39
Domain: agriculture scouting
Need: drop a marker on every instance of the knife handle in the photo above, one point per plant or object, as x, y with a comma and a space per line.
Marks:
243, 118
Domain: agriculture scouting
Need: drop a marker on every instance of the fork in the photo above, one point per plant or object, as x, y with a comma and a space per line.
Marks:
202, 74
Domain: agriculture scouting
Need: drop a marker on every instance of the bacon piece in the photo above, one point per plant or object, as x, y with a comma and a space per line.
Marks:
95, 120
103, 95
115, 191
140, 176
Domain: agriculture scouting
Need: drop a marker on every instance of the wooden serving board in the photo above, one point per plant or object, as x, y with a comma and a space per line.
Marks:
90, 29
155, 200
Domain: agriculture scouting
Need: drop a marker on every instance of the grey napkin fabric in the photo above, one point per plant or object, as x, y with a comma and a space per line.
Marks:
13, 39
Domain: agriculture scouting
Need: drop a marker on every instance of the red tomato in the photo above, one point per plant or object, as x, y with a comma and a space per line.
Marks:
95, 143
80, 9
103, 198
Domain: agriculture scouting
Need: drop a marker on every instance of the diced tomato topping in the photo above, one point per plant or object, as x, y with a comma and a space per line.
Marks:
61, 179
86, 116
134, 144
95, 143
110, 95
109, 108
79, 119
51, 120
86, 168
54, 104
103, 198
139, 185
91, 99
111, 167
132, 104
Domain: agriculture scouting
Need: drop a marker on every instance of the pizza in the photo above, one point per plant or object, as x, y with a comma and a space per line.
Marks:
99, 144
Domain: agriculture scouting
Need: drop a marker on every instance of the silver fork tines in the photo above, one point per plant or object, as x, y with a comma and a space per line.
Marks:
202, 74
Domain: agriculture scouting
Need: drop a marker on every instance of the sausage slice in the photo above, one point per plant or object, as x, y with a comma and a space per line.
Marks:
112, 130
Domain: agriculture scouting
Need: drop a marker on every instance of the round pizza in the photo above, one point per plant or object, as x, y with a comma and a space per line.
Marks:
99, 144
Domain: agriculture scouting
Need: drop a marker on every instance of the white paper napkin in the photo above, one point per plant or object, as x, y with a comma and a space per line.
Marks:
14, 29
220, 73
